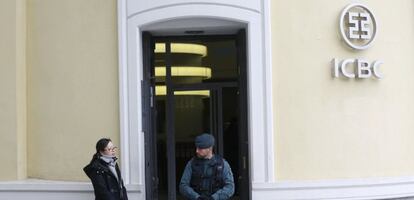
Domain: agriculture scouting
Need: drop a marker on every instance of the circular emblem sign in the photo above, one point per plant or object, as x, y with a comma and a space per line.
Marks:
358, 26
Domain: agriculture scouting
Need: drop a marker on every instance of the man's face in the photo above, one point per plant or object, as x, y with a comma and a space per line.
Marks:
204, 153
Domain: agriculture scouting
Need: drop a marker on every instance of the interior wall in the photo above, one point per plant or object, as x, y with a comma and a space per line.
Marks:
72, 84
333, 128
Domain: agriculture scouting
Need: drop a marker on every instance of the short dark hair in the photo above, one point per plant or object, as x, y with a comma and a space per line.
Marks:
101, 144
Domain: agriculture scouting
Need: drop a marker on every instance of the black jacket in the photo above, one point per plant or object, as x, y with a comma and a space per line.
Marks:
105, 184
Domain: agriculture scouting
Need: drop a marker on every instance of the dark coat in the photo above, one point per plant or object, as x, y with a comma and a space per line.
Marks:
226, 189
105, 184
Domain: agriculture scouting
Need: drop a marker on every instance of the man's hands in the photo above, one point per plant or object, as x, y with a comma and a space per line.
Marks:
204, 197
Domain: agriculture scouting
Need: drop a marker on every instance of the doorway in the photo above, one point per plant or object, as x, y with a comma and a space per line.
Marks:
194, 85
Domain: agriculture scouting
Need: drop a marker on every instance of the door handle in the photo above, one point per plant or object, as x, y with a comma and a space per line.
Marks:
151, 97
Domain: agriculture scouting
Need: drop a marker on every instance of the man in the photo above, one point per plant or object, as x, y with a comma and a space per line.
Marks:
207, 176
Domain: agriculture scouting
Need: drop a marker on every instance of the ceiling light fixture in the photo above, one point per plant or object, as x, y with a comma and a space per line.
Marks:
194, 32
183, 48
161, 90
192, 71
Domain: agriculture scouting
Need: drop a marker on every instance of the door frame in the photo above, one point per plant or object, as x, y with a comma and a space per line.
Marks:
149, 108
183, 16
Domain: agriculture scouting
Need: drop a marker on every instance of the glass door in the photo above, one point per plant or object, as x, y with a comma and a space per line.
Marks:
194, 88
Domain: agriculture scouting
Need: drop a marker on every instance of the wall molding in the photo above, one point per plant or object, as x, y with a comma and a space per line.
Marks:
192, 3
56, 186
267, 62
52, 190
367, 188
346, 189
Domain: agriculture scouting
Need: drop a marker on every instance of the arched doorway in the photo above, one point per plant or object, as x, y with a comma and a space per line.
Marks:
195, 81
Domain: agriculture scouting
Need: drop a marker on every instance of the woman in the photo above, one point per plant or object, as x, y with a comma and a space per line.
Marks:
104, 172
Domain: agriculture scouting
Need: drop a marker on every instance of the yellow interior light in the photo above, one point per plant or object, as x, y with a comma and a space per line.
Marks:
183, 48
191, 71
161, 90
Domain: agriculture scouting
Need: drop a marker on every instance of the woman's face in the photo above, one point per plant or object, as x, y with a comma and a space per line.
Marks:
109, 150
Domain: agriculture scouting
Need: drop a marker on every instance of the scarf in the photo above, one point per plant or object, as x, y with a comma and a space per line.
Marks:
111, 161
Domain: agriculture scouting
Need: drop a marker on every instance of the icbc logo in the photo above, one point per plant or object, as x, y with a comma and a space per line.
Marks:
358, 26
358, 29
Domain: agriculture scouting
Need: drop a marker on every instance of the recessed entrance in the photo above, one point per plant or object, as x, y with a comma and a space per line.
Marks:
194, 85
